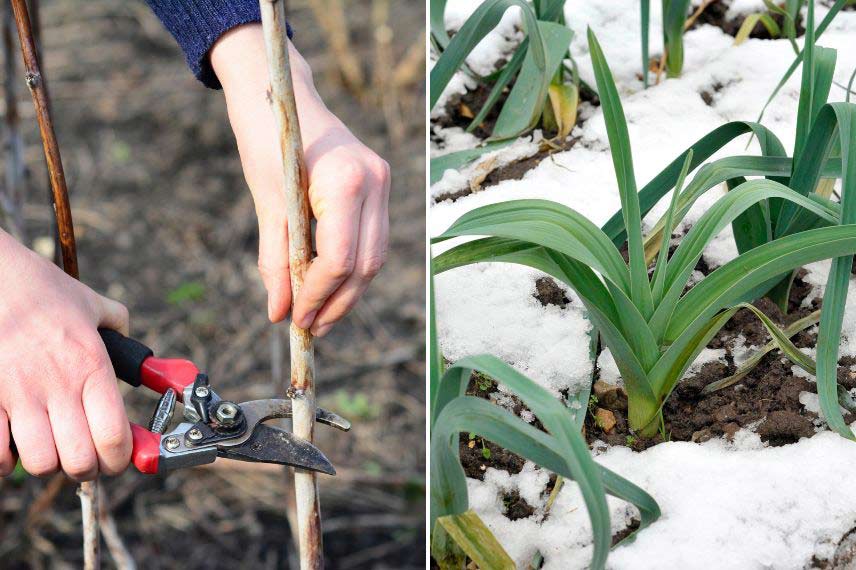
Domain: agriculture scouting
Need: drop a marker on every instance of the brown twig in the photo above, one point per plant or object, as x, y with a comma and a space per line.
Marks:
661, 66
88, 491
331, 17
702, 7
385, 88
36, 22
411, 68
115, 546
36, 83
302, 389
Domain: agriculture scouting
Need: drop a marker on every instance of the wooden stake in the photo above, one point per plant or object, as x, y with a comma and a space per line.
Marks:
302, 388
88, 492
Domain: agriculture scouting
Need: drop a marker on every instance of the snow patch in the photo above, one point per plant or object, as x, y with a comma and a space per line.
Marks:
742, 504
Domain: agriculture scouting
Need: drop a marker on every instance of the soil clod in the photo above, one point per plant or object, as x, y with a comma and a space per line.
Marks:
548, 292
516, 506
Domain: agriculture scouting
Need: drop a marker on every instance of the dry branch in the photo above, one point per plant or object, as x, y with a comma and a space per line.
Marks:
384, 86
302, 388
411, 68
117, 549
331, 17
36, 83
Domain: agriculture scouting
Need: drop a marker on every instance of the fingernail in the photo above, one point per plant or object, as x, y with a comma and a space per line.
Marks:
307, 320
322, 330
270, 310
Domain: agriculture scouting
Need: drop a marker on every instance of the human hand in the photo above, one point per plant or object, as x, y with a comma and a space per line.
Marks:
58, 389
348, 186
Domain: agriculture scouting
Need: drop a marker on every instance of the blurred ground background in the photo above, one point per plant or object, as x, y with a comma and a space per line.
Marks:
165, 224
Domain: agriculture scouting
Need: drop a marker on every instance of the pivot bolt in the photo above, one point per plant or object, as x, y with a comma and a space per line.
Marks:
201, 391
226, 414
194, 434
171, 443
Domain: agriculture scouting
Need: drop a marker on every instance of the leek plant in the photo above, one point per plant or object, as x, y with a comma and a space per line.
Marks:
653, 327
789, 12
535, 64
456, 531
675, 14
543, 87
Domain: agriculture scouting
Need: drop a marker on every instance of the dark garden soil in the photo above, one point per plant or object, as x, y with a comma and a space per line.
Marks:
166, 225
715, 14
462, 108
766, 400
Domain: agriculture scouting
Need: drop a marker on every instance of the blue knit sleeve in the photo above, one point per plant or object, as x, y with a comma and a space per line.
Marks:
197, 24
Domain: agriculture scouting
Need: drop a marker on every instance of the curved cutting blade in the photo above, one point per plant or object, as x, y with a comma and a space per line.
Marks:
258, 411
269, 444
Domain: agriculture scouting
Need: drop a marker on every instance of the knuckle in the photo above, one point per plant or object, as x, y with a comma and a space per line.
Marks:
112, 469
381, 168
341, 266
111, 440
41, 465
373, 265
80, 467
353, 189
352, 171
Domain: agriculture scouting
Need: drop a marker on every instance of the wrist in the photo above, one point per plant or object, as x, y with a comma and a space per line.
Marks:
240, 62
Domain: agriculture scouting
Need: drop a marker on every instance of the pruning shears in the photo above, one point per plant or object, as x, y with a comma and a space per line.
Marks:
212, 427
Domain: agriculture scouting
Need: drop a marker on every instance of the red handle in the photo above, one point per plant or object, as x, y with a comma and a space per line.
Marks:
146, 451
159, 374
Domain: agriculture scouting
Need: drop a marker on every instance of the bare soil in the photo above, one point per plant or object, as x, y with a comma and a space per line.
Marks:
716, 15
166, 225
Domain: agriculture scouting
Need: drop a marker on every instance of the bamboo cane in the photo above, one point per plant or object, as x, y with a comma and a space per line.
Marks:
88, 491
302, 389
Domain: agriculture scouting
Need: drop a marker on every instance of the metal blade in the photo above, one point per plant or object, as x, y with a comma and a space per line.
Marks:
258, 411
268, 444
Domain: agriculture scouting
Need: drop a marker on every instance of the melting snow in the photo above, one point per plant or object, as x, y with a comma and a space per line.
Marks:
742, 505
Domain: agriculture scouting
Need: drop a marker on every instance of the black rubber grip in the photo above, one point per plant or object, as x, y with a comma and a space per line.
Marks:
126, 354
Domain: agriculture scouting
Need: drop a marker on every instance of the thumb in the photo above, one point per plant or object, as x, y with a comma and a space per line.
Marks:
273, 266
113, 315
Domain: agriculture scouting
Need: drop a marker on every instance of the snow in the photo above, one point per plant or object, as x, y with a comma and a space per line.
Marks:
742, 504
739, 8
548, 344
454, 139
